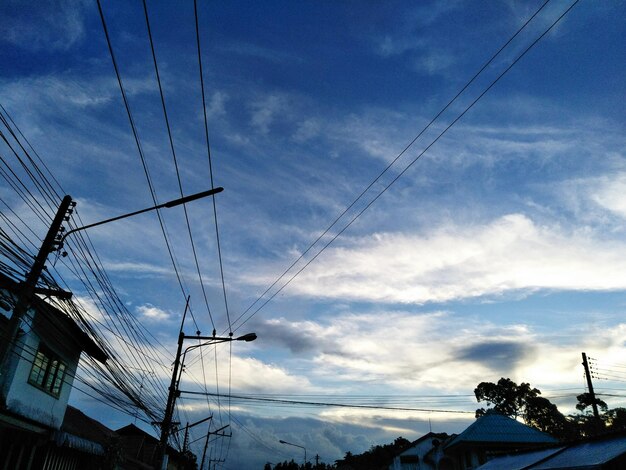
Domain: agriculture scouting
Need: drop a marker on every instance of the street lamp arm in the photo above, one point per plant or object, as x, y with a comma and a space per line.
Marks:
209, 341
295, 445
175, 202
217, 339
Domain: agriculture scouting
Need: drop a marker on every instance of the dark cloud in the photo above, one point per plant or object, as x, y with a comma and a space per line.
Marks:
287, 334
258, 442
498, 355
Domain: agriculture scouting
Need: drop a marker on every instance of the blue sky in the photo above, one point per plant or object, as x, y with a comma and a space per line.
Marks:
500, 252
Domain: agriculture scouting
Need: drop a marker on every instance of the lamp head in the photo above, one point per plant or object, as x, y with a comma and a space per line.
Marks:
249, 337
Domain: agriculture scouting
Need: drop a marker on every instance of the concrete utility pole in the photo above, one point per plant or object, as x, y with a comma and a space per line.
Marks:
206, 444
28, 287
594, 405
174, 392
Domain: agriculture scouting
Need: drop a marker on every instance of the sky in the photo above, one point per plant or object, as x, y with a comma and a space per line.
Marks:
497, 252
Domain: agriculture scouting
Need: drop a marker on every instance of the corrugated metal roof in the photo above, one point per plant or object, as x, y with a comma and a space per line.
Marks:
588, 454
495, 428
520, 461
64, 439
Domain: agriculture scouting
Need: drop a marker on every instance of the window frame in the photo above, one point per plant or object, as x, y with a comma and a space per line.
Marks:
47, 372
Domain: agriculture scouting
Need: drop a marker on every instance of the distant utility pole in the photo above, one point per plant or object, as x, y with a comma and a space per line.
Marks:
29, 287
590, 386
206, 444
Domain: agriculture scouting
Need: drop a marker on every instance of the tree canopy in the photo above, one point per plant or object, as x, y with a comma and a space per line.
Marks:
523, 401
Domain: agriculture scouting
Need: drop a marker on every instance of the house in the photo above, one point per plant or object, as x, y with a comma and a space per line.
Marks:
139, 451
35, 386
426, 453
491, 435
601, 453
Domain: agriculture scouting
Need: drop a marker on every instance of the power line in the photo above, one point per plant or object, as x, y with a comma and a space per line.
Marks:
140, 151
329, 404
173, 150
404, 170
208, 147
390, 165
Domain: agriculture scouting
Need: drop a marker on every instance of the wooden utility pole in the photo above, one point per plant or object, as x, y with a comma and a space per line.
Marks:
590, 387
28, 287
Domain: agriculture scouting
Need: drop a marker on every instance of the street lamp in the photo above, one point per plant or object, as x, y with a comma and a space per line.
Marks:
295, 445
54, 241
166, 424
167, 205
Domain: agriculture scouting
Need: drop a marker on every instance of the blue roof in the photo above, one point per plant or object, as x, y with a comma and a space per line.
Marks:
520, 461
592, 455
499, 429
587, 455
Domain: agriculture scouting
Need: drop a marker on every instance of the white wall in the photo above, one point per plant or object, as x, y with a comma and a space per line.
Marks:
29, 401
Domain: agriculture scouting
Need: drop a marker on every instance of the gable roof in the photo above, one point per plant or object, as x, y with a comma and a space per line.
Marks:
440, 436
595, 454
521, 461
83, 433
136, 440
51, 318
78, 423
589, 455
494, 428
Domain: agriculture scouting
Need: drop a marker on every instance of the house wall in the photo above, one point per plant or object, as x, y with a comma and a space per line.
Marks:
27, 400
419, 450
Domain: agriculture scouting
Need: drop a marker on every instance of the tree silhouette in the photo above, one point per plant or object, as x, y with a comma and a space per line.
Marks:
523, 401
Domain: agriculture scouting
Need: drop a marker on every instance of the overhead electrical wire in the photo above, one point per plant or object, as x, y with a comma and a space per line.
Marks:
177, 170
208, 147
48, 193
27, 195
215, 218
406, 167
140, 151
174, 156
333, 404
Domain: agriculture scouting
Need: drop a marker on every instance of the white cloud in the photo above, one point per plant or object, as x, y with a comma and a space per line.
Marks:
259, 52
57, 25
408, 36
265, 110
398, 352
136, 267
434, 62
151, 313
610, 193
216, 105
307, 130
456, 262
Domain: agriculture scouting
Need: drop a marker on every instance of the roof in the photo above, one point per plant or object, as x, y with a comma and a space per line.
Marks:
53, 318
79, 424
441, 436
136, 440
494, 428
590, 455
520, 461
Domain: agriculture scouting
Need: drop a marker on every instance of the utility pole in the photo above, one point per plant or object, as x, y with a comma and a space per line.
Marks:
215, 461
28, 287
174, 392
206, 444
590, 386
166, 424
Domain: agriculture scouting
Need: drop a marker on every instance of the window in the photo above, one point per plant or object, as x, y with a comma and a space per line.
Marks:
48, 371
